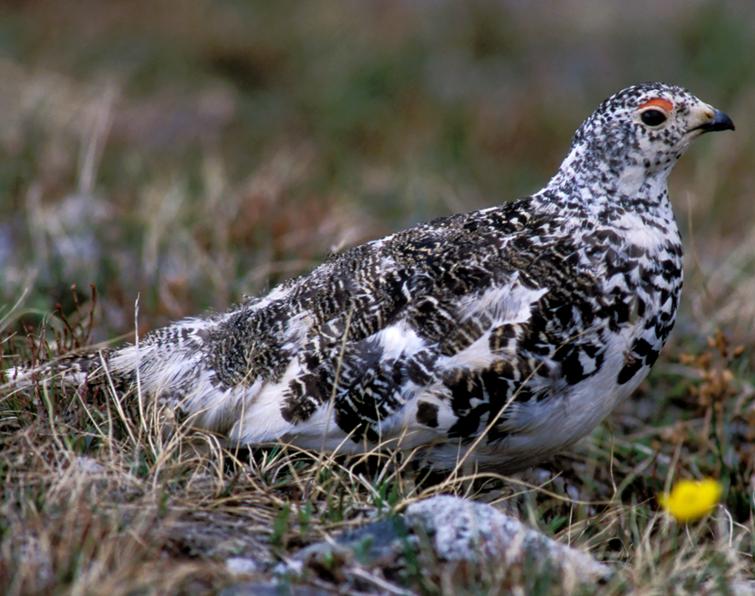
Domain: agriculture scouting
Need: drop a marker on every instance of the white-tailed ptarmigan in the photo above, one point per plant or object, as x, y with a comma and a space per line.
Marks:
509, 332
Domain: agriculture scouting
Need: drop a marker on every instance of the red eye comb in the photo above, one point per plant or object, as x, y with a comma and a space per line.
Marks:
658, 102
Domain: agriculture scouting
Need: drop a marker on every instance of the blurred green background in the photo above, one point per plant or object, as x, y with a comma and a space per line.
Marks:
191, 152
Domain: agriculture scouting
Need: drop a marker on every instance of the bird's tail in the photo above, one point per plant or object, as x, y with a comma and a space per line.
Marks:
168, 365
69, 370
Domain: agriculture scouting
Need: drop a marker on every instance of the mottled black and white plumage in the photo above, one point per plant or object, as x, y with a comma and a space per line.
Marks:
513, 330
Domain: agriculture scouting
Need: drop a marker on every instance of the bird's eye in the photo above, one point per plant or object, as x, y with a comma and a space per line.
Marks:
653, 117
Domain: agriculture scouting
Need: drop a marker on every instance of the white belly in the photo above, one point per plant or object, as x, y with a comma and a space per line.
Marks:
551, 425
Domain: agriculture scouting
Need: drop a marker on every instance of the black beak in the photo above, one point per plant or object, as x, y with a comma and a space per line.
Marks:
720, 122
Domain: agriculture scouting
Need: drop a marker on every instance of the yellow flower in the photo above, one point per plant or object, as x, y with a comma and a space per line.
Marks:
691, 499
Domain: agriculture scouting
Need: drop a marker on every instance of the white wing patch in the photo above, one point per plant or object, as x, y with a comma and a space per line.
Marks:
508, 304
399, 339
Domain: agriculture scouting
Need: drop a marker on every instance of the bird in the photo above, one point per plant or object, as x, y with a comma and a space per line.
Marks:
498, 337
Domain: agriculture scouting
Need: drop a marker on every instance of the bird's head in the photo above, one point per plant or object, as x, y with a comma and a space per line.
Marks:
639, 133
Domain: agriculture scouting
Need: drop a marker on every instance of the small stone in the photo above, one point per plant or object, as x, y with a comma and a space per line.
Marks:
242, 566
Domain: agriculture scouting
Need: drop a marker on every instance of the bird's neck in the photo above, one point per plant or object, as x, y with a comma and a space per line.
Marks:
585, 182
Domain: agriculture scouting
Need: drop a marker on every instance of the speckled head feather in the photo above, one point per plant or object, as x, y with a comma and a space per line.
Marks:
617, 122
630, 143
496, 337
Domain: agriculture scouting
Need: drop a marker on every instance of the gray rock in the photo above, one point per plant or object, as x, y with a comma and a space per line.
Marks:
444, 539
271, 589
242, 565
219, 535
463, 530
742, 587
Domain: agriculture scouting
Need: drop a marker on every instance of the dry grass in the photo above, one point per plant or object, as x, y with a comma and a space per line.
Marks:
191, 156
104, 494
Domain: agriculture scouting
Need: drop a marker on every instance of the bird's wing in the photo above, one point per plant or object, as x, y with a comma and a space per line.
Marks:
440, 322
